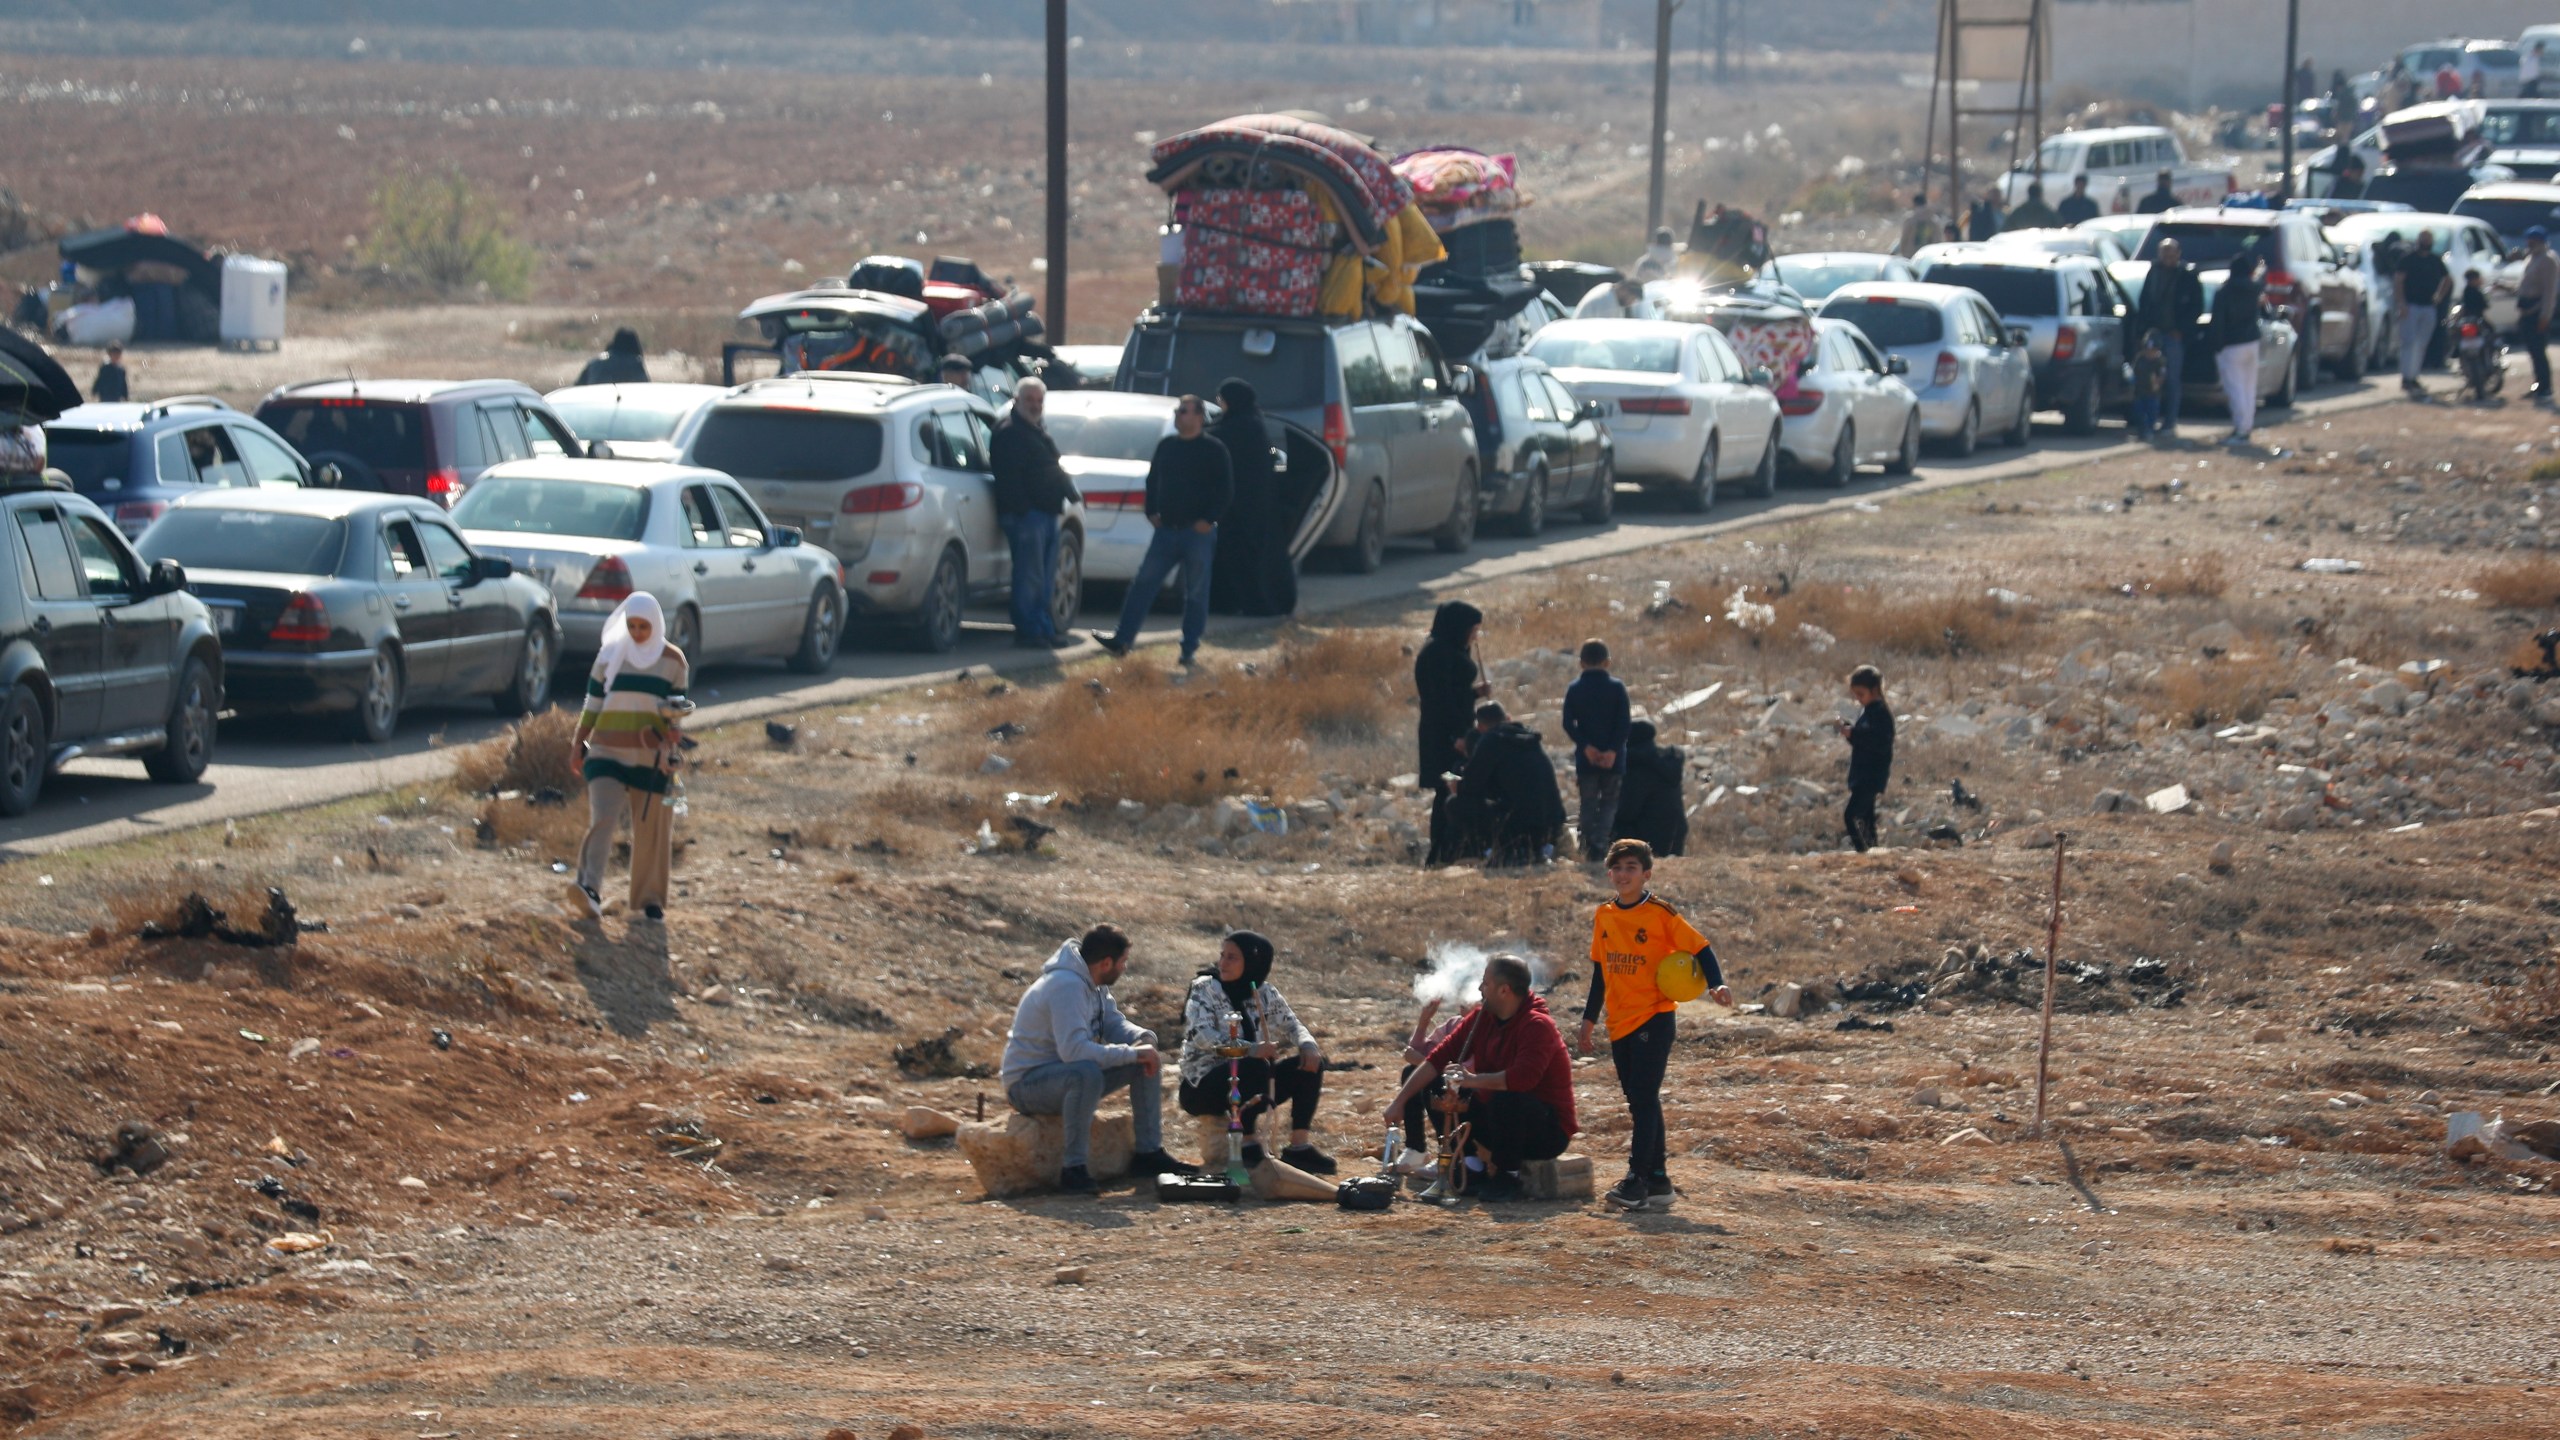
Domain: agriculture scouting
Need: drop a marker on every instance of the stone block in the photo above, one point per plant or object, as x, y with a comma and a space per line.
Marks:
923, 1122
1566, 1177
1020, 1155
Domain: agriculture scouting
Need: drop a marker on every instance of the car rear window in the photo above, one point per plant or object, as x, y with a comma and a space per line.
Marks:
2010, 291
2510, 218
756, 443
1890, 322
1193, 361
625, 420
218, 538
90, 457
1813, 281
386, 437
534, 506
2209, 246
1108, 437
1652, 354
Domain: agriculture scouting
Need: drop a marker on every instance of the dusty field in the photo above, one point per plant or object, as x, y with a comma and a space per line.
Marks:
2243, 1224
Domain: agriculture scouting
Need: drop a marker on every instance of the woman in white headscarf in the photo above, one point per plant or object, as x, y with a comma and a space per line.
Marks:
626, 749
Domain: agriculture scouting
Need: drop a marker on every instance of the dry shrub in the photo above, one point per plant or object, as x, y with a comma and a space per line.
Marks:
2193, 577
2532, 1005
2528, 582
1868, 621
2211, 692
533, 755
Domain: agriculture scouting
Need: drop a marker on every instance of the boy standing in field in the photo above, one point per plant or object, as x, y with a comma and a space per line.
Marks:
1870, 738
1630, 936
1596, 717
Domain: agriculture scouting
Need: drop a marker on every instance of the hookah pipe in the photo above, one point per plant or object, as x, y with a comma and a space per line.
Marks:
1456, 1132
1234, 1050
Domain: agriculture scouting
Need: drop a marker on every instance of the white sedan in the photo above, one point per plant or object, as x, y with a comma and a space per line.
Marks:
1851, 408
633, 422
1683, 412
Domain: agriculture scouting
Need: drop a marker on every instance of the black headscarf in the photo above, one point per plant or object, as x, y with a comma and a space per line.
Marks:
1257, 969
625, 341
1453, 620
1239, 401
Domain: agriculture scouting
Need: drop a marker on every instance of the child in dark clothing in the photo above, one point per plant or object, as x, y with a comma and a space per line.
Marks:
2150, 379
2474, 304
1870, 739
1596, 717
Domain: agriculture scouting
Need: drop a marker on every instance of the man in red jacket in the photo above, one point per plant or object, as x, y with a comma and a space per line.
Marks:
1508, 1060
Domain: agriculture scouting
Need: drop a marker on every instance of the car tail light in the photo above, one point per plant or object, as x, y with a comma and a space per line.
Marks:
1803, 402
139, 512
1337, 435
1115, 499
1945, 374
1654, 405
2066, 343
609, 580
2279, 285
881, 499
444, 485
881, 577
305, 621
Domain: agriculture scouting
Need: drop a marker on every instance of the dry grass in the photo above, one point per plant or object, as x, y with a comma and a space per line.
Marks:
2528, 582
2532, 1005
2217, 692
535, 754
2189, 577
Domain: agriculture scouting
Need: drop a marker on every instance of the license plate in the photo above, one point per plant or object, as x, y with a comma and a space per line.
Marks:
226, 620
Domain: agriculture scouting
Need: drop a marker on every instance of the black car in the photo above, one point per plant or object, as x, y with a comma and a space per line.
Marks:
1543, 450
350, 601
100, 653
429, 438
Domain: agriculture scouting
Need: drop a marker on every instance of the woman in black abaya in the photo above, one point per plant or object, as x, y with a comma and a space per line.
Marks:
1253, 574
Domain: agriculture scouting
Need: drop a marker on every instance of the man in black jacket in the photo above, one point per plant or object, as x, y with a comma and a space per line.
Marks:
2172, 303
620, 364
1508, 806
1189, 485
2161, 196
1031, 491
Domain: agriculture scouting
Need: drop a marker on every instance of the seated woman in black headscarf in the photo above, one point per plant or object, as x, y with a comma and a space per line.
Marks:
1650, 805
1253, 574
1239, 985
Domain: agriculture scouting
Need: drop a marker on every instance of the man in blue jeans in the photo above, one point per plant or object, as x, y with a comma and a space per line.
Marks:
1189, 485
1031, 491
1070, 1046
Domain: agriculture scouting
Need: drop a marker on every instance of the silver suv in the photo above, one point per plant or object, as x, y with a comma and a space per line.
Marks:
892, 478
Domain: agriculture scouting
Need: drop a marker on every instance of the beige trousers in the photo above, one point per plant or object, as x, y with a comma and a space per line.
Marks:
652, 839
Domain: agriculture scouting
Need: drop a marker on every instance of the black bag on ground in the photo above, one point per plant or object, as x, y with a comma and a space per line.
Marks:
1368, 1192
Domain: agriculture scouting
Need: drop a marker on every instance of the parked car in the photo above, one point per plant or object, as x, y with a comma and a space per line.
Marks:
2304, 275
2492, 68
101, 651
133, 460
1976, 368
425, 438
1105, 439
2464, 243
631, 422
1851, 408
2381, 313
1544, 450
1814, 274
2511, 209
2100, 245
2278, 375
357, 603
734, 585
2123, 163
2070, 310
2524, 135
1092, 366
891, 479
1683, 414
1378, 393
2126, 230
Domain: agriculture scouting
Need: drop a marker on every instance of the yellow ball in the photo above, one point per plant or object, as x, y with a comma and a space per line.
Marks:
1680, 977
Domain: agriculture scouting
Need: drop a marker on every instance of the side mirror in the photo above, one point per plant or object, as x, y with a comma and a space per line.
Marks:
2016, 336
1463, 382
599, 450
328, 476
1591, 410
1897, 364
491, 567
168, 577
1761, 376
782, 537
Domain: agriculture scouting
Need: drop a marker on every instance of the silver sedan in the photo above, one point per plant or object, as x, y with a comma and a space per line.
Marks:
734, 585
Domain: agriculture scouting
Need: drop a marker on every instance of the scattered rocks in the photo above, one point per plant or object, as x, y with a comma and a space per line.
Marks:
1068, 1275
923, 1122
1969, 1135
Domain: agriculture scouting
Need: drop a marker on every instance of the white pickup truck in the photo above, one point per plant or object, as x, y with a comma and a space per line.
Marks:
2123, 163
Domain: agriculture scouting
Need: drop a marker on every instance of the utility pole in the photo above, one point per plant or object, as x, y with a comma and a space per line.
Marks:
1058, 171
1662, 10
1724, 33
2292, 38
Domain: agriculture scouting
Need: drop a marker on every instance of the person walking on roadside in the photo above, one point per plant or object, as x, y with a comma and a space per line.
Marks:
2034, 214
1870, 738
1596, 716
1919, 227
1188, 488
626, 751
1253, 573
621, 363
2172, 303
1507, 1058
1631, 935
1448, 680
1984, 220
1070, 1046
111, 386
1238, 983
2077, 206
1031, 491
2537, 291
2161, 197
2423, 284
2235, 344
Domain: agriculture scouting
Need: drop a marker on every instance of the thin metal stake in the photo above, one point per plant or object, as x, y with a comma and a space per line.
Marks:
2052, 947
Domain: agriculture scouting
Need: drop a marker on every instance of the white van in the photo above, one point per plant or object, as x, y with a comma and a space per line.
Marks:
2122, 162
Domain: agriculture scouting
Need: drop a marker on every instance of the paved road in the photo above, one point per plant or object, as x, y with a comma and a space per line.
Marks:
269, 765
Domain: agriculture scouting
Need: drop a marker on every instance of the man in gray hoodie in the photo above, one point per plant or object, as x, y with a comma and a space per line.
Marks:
1070, 1046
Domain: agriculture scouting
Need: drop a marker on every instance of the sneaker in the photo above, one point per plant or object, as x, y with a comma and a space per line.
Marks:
1500, 1185
1111, 644
1657, 1186
655, 914
1156, 1162
1628, 1194
1076, 1180
1309, 1159
1187, 660
582, 898
1250, 1156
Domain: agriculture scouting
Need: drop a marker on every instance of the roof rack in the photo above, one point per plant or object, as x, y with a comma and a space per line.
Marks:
158, 408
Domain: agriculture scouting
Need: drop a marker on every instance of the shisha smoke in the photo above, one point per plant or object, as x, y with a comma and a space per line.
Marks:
1455, 968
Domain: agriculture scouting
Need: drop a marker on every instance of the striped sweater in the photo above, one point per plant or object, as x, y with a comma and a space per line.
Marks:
627, 728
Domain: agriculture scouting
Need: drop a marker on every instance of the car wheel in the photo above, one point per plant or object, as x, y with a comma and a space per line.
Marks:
937, 626
1369, 545
24, 750
684, 631
1764, 479
2081, 418
1968, 436
1699, 496
1908, 458
377, 712
1532, 519
182, 758
1066, 587
2018, 434
1459, 531
820, 630
2351, 365
1844, 458
2283, 398
530, 692
1602, 505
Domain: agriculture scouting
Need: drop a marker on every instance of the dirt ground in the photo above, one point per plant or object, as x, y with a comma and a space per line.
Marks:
500, 1125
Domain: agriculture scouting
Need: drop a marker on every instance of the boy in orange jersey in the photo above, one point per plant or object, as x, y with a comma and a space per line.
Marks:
1629, 938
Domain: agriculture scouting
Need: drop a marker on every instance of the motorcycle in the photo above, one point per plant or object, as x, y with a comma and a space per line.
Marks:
2483, 354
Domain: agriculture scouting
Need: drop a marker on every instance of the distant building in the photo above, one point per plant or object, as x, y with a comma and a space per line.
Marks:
1553, 24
